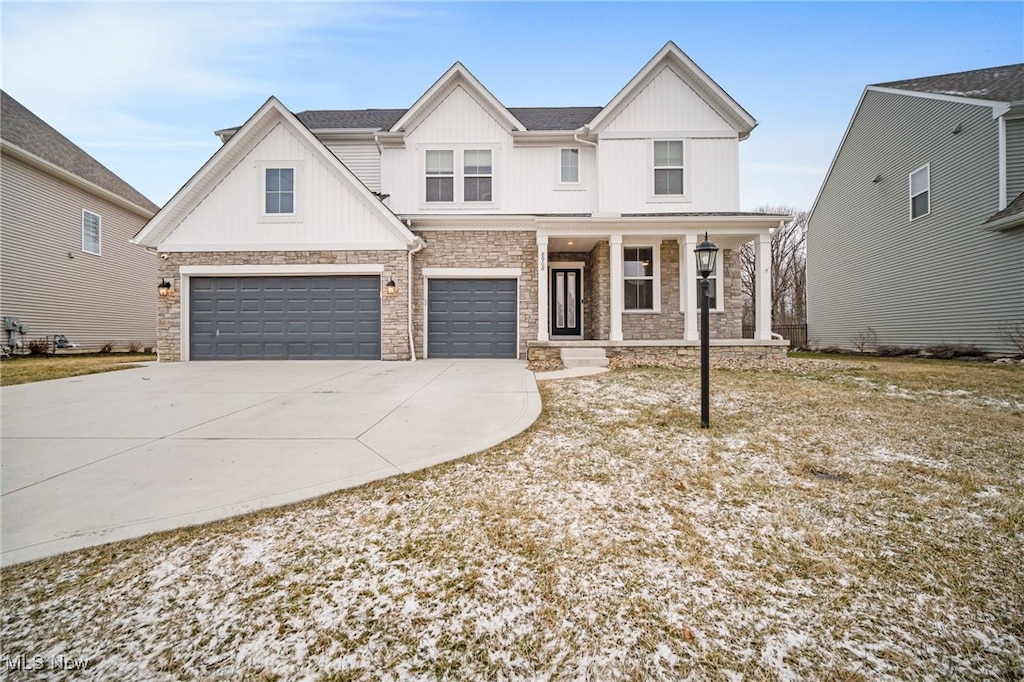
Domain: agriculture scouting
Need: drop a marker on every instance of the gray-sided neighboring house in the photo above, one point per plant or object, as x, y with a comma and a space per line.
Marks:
67, 265
917, 233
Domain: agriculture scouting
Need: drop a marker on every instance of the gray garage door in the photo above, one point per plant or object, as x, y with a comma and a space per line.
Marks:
284, 318
471, 318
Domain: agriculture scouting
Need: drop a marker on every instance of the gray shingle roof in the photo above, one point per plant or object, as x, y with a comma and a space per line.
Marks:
999, 84
1014, 208
534, 118
22, 128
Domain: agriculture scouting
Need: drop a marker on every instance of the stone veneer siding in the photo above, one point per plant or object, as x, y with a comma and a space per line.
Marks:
394, 309
480, 249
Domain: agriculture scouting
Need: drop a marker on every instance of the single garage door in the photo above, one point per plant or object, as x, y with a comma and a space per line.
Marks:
285, 318
471, 318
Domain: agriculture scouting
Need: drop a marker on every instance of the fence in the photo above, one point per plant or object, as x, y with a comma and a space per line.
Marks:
796, 334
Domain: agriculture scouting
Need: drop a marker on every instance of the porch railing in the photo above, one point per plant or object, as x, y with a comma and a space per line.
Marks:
796, 334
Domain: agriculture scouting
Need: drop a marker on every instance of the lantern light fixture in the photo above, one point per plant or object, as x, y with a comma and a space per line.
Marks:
164, 288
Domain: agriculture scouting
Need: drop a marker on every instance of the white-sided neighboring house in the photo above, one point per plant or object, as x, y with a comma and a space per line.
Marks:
460, 227
67, 265
917, 233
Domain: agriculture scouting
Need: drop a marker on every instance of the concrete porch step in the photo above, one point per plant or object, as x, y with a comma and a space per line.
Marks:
584, 357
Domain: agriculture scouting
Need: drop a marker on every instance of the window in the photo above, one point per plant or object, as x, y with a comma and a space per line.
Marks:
713, 286
279, 191
920, 185
668, 167
476, 176
440, 175
570, 166
90, 233
638, 271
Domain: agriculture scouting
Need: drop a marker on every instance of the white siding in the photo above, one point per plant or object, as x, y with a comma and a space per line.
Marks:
536, 186
362, 158
331, 211
667, 103
55, 288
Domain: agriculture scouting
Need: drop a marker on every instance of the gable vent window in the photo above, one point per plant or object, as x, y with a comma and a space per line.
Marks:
920, 191
477, 175
440, 172
668, 167
280, 191
90, 233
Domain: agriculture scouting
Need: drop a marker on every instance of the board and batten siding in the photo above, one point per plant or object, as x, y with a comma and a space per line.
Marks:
1014, 158
54, 287
870, 267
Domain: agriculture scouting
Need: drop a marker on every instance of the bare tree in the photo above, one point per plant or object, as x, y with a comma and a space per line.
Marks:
789, 270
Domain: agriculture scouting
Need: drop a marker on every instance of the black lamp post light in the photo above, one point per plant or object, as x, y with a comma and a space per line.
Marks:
706, 253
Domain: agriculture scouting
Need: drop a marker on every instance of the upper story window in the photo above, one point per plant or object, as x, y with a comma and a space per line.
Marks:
570, 166
668, 167
920, 191
477, 175
91, 232
279, 191
440, 170
638, 270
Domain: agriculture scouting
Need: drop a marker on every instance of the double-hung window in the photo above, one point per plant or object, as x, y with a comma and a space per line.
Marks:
638, 273
279, 191
920, 191
713, 282
477, 175
570, 167
91, 232
668, 167
440, 172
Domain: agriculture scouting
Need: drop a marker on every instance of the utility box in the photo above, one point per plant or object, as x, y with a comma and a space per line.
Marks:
12, 324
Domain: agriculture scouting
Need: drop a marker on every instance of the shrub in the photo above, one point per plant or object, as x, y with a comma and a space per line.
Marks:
1013, 334
864, 340
40, 346
107, 347
134, 347
895, 351
948, 351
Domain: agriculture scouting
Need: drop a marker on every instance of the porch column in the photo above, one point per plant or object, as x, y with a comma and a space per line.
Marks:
616, 283
688, 275
763, 304
542, 287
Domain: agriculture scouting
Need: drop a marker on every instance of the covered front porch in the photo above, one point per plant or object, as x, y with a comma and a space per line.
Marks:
629, 284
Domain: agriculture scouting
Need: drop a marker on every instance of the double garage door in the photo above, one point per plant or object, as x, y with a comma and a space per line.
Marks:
339, 317
285, 318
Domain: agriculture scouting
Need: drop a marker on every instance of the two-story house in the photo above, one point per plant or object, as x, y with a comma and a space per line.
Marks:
67, 266
916, 238
460, 227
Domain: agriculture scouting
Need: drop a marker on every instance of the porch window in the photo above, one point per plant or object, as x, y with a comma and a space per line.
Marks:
477, 175
920, 189
90, 232
570, 173
638, 272
668, 167
440, 175
713, 287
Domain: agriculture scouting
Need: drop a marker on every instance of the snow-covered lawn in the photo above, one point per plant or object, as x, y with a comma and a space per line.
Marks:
857, 521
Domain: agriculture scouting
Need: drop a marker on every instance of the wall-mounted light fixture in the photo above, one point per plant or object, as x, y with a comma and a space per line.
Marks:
959, 129
164, 288
391, 287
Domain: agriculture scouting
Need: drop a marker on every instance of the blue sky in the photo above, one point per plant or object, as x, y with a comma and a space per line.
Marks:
142, 86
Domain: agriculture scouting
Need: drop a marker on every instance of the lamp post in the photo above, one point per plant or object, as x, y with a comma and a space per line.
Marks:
706, 253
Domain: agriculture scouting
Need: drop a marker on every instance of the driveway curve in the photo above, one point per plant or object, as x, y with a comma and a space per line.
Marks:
94, 459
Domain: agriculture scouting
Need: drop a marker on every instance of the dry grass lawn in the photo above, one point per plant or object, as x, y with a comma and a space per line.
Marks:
859, 521
24, 370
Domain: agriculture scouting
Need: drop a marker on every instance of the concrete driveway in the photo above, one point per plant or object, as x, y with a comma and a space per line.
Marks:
105, 457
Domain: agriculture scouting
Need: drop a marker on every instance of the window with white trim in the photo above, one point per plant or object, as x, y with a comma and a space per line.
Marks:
920, 192
714, 287
440, 172
91, 229
279, 191
638, 275
570, 166
477, 175
668, 167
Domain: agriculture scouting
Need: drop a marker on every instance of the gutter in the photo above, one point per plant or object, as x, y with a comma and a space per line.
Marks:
415, 247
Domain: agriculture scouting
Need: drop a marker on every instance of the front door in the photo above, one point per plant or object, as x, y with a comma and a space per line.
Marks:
566, 302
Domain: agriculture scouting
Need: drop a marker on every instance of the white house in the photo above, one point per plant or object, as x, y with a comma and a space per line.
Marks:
460, 227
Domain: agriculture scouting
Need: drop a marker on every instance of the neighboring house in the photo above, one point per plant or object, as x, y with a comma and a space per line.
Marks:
463, 228
67, 265
918, 231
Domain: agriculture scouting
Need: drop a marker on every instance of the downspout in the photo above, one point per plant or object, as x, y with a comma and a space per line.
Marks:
597, 165
417, 246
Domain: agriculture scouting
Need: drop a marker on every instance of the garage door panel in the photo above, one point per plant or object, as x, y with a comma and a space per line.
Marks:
285, 317
470, 318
